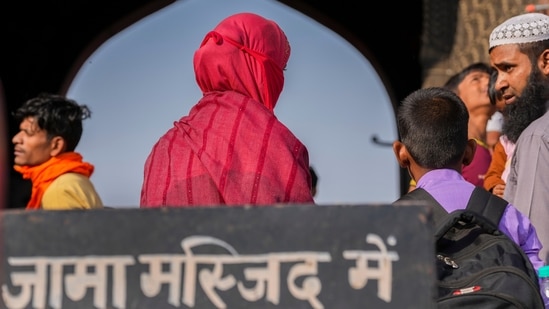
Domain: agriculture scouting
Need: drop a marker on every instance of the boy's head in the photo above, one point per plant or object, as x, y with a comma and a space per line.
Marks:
478, 67
432, 124
471, 85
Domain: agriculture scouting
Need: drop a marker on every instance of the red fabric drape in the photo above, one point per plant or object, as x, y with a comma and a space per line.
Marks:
244, 53
229, 150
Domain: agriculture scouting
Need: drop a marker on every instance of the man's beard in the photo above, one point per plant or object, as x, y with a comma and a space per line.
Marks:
529, 106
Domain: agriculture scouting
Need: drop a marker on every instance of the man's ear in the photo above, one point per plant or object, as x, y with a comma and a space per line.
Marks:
57, 146
544, 62
401, 154
469, 152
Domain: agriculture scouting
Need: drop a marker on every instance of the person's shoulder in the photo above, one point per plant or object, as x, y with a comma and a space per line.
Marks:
516, 216
71, 191
540, 124
495, 123
482, 143
482, 152
536, 132
497, 116
72, 179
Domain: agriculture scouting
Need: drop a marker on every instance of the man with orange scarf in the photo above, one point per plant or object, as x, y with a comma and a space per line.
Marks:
50, 127
231, 149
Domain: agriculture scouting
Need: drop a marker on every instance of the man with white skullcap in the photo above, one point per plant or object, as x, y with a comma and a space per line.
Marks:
519, 51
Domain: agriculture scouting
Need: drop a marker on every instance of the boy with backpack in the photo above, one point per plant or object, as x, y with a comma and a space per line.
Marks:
433, 146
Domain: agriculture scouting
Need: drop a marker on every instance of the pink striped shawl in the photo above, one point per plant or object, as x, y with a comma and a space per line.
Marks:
231, 149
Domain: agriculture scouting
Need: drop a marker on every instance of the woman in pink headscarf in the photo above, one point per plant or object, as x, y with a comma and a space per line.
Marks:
231, 149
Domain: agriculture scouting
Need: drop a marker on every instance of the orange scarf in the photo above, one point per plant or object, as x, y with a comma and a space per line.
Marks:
44, 174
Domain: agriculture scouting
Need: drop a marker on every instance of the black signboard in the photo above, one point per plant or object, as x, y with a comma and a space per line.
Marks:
344, 256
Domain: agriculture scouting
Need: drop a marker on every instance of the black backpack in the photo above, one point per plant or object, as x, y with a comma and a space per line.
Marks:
477, 265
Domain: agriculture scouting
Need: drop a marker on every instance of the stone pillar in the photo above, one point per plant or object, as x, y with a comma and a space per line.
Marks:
455, 34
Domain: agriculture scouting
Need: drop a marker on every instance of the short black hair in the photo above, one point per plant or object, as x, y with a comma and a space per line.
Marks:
314, 176
432, 124
57, 115
493, 94
453, 82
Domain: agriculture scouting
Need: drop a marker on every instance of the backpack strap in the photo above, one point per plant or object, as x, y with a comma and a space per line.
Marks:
487, 204
481, 201
420, 194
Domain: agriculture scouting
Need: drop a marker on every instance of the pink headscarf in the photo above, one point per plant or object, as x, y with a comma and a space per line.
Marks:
231, 149
254, 68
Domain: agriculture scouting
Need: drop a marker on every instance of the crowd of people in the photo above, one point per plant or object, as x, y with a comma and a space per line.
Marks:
486, 126
517, 85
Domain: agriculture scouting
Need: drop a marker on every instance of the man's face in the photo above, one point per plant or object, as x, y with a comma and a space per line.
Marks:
32, 146
513, 68
523, 88
527, 107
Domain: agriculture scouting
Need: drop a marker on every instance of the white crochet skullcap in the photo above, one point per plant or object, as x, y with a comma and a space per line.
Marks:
525, 28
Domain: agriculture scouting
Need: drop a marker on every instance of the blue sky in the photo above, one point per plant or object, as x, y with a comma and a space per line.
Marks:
142, 80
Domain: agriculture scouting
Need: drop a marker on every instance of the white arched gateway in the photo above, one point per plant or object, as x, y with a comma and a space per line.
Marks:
141, 80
